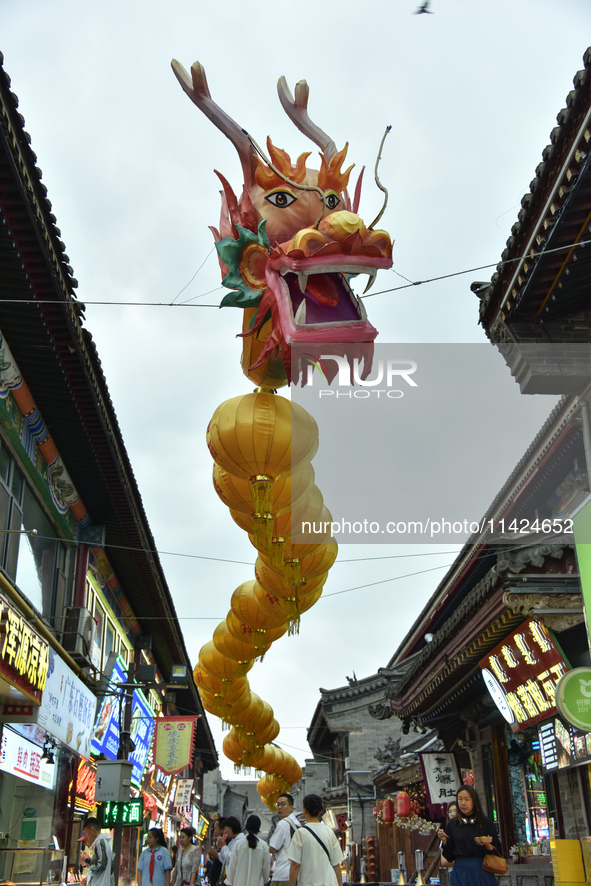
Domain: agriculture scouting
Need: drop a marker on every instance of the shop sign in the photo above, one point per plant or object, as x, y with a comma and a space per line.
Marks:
441, 777
522, 674
562, 745
85, 786
573, 698
173, 743
201, 827
184, 788
67, 710
20, 757
24, 657
125, 813
106, 732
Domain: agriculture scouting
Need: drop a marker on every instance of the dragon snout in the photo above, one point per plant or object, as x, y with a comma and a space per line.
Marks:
339, 225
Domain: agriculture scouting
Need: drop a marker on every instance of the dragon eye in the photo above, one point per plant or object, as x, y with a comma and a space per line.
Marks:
282, 199
332, 201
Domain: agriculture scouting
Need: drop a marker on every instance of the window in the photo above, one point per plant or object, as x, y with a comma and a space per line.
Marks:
40, 565
109, 634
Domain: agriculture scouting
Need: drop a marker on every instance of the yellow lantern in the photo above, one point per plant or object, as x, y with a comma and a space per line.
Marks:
246, 607
220, 666
241, 650
261, 434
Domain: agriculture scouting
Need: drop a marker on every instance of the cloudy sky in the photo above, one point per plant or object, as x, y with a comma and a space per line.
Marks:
471, 92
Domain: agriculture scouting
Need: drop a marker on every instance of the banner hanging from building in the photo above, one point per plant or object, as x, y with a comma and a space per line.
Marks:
173, 743
184, 787
441, 777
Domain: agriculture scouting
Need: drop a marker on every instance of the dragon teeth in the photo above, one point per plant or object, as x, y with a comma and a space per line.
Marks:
361, 309
300, 317
303, 281
371, 281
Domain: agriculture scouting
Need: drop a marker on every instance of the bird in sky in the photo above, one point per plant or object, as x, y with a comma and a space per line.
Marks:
424, 8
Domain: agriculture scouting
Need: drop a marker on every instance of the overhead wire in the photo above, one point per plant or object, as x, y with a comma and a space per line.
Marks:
187, 304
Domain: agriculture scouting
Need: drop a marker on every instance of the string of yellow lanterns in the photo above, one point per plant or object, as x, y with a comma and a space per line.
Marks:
262, 445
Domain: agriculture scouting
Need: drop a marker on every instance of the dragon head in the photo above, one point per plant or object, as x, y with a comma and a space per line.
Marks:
289, 245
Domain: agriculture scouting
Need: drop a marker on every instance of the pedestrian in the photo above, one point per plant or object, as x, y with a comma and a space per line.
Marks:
281, 838
218, 842
250, 862
466, 840
155, 863
188, 860
233, 834
314, 850
100, 864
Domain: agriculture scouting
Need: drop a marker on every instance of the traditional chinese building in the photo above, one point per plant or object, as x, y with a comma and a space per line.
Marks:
84, 603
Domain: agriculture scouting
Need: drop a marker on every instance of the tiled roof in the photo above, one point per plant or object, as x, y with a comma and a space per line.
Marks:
553, 215
43, 324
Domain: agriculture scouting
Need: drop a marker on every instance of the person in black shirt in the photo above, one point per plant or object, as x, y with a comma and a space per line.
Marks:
468, 837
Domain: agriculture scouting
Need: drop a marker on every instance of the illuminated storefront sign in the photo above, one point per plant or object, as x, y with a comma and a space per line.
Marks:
24, 654
125, 813
85, 786
562, 745
522, 673
106, 733
67, 710
20, 757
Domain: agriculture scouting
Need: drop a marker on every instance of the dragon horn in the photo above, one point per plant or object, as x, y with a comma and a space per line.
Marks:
297, 111
198, 91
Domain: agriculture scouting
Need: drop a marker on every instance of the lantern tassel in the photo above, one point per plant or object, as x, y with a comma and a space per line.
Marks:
263, 531
261, 489
276, 552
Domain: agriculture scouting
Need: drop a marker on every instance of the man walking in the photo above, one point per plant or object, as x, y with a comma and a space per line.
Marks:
100, 863
286, 827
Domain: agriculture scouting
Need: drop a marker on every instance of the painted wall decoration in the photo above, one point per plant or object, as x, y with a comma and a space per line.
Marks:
288, 246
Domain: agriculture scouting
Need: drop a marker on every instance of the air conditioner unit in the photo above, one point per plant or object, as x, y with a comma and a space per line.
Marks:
79, 635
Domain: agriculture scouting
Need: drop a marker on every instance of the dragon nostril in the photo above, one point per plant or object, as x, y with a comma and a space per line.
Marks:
339, 225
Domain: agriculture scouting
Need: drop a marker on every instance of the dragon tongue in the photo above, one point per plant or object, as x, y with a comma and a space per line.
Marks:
323, 289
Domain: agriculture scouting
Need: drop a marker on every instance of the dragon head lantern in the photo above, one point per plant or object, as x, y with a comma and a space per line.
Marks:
289, 245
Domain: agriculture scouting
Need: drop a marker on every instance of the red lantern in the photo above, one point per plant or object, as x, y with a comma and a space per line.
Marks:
376, 811
403, 804
388, 811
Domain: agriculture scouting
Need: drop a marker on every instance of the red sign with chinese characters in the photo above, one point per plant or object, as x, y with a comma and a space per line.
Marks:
85, 786
521, 674
24, 654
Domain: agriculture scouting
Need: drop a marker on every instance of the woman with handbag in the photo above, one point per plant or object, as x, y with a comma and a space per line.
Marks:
467, 840
250, 862
314, 851
186, 869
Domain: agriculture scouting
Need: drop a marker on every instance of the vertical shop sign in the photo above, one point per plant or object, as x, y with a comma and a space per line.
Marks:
173, 743
184, 788
441, 778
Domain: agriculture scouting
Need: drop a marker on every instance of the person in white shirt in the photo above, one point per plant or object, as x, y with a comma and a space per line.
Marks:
250, 862
281, 838
233, 833
314, 850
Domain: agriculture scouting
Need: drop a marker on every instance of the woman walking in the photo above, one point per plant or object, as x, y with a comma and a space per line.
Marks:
153, 868
314, 850
250, 862
467, 838
186, 869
